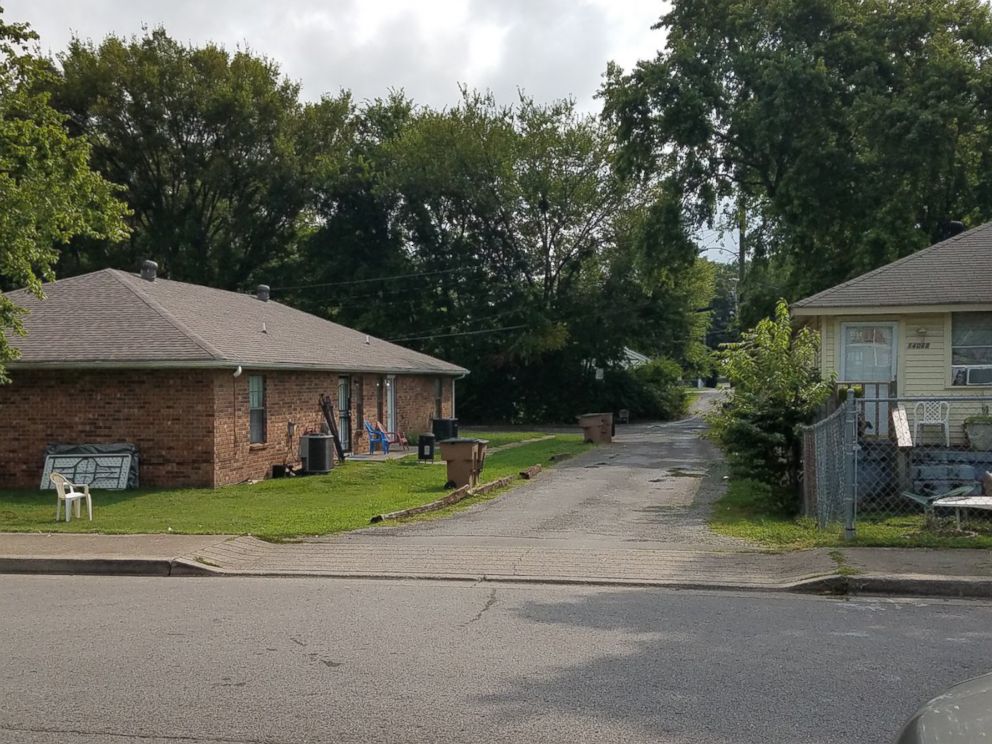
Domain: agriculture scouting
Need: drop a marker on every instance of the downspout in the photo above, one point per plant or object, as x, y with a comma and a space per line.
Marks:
234, 404
453, 380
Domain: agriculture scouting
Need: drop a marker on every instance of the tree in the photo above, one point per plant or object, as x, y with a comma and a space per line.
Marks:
775, 387
501, 237
559, 261
48, 194
217, 154
845, 133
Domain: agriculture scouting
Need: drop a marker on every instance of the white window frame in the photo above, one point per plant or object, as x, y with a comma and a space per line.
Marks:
894, 325
950, 355
263, 408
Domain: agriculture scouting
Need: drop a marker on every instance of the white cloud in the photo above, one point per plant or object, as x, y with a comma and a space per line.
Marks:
549, 48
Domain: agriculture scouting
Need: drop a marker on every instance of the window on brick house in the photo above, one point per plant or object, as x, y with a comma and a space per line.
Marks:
971, 348
256, 409
438, 396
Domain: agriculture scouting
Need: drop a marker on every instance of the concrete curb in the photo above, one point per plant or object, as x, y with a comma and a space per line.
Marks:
905, 585
963, 587
465, 492
115, 566
919, 585
833, 585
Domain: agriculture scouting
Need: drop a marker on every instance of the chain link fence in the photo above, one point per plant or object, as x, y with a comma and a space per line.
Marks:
878, 458
914, 451
827, 472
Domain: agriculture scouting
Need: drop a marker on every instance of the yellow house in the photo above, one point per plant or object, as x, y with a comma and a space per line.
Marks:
920, 327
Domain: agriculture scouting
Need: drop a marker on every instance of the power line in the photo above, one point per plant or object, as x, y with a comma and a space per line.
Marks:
593, 313
460, 333
372, 279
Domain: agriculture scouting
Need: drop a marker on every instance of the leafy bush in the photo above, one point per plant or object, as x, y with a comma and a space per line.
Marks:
665, 394
652, 391
776, 387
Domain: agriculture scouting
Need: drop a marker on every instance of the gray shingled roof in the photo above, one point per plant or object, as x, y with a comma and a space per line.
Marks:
110, 317
957, 271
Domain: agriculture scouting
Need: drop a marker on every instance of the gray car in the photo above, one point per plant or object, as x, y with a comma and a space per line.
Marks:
961, 714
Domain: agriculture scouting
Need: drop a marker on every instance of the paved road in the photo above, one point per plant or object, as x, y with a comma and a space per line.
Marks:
90, 660
646, 491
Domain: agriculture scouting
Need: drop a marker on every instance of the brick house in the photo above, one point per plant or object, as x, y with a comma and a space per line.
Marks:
213, 387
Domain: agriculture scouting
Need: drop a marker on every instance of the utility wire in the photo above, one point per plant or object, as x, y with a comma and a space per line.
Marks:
479, 332
591, 313
372, 279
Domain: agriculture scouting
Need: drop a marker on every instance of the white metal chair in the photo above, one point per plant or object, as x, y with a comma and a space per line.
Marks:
932, 413
69, 496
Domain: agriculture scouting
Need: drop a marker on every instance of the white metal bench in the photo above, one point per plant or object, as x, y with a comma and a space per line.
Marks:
957, 503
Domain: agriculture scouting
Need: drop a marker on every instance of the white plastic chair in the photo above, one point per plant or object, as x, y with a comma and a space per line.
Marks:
932, 413
69, 496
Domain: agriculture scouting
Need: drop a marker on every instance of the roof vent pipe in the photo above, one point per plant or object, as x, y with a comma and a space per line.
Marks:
148, 270
954, 227
262, 292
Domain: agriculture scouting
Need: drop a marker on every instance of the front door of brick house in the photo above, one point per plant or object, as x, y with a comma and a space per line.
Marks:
391, 403
344, 412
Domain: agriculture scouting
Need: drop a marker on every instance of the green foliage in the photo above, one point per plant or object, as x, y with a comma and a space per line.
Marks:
776, 387
848, 132
524, 256
215, 150
665, 394
48, 194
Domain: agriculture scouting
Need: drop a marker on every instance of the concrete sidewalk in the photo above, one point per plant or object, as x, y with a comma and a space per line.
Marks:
952, 573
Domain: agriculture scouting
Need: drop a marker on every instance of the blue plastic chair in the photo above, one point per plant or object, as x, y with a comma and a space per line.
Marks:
376, 437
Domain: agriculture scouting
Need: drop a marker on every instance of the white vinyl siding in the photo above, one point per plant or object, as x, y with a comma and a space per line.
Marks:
924, 361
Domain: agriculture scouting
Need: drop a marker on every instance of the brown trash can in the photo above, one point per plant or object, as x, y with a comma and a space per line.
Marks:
465, 459
597, 427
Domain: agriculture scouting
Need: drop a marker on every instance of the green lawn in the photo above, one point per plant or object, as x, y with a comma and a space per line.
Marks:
745, 511
344, 499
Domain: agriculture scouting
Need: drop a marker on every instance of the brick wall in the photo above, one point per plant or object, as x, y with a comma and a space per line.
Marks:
191, 427
414, 404
289, 397
167, 414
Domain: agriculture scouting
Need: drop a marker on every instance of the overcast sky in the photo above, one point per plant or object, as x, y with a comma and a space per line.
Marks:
548, 48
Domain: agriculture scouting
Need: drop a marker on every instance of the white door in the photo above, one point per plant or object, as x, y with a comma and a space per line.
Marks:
391, 403
868, 357
344, 412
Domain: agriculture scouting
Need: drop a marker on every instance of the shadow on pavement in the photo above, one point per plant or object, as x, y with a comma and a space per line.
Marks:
691, 667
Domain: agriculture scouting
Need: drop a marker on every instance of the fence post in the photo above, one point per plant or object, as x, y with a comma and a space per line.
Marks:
850, 449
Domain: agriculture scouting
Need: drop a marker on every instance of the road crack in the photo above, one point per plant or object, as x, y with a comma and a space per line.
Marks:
485, 608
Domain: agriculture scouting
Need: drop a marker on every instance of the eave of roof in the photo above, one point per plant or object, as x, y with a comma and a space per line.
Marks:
232, 365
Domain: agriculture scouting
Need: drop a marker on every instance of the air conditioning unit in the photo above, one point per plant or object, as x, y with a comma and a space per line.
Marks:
979, 376
317, 452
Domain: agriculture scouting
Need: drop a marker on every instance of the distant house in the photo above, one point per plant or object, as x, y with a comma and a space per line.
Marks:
918, 327
213, 387
633, 359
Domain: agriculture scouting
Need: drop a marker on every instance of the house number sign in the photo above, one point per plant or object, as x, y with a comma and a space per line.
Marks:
918, 345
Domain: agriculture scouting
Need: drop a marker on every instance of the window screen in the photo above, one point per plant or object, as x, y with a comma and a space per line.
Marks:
256, 409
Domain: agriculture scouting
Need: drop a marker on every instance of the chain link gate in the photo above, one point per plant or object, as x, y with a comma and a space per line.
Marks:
829, 469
